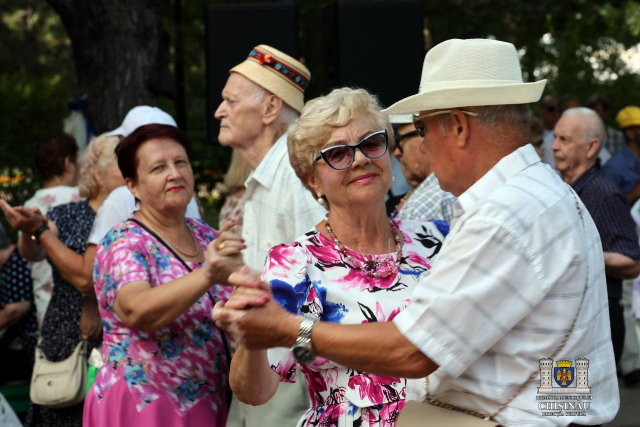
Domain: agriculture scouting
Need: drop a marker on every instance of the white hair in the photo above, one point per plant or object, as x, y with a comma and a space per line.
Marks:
593, 125
287, 114
493, 116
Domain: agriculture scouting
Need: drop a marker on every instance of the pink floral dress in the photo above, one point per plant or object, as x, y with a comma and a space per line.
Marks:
174, 376
312, 278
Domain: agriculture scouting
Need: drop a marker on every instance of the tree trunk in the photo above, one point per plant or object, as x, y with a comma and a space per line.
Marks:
115, 44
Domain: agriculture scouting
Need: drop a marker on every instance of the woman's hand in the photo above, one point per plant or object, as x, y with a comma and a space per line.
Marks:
21, 218
223, 255
265, 325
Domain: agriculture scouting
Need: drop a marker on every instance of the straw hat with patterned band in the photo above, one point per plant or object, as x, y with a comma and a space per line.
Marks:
278, 73
467, 73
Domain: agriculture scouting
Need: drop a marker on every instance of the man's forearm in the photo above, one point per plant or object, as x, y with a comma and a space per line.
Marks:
13, 313
621, 266
378, 348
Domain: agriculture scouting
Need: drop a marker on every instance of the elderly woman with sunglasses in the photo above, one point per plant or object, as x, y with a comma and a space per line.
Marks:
356, 266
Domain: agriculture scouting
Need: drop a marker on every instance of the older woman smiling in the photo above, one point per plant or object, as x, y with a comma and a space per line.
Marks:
356, 266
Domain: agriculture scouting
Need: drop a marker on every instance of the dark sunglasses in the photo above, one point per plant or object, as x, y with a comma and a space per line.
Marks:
550, 108
400, 138
537, 143
418, 121
340, 157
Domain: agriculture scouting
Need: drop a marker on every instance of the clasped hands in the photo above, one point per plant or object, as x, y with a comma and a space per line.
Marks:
27, 220
252, 316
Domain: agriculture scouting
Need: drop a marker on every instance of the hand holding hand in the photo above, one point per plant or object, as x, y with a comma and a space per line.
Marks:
21, 218
223, 255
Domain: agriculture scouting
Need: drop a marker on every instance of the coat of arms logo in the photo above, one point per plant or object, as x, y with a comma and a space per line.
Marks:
564, 378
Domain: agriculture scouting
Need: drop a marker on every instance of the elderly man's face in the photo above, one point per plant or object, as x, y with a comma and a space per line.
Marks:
569, 149
438, 148
239, 114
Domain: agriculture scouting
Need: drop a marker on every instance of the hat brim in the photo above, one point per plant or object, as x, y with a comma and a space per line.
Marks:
519, 93
116, 132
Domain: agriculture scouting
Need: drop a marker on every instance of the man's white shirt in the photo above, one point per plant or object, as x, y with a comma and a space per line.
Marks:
504, 291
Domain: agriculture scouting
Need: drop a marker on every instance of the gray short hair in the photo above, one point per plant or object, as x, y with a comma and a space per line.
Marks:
492, 116
593, 125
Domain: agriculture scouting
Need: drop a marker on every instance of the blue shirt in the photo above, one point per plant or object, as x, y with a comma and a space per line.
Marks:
623, 170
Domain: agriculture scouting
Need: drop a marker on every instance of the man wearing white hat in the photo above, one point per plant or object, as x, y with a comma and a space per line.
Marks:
263, 96
519, 283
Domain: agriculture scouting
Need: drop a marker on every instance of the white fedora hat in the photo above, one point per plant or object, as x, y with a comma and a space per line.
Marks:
468, 73
140, 116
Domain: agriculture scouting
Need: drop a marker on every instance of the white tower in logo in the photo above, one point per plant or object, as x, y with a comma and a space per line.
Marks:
582, 374
582, 378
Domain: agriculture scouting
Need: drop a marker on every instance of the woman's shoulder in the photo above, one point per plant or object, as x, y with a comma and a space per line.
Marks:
125, 234
435, 227
202, 228
71, 210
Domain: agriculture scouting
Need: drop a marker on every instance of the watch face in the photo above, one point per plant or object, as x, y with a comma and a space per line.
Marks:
303, 354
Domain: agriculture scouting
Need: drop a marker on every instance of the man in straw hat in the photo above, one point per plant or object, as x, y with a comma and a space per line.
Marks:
520, 277
262, 97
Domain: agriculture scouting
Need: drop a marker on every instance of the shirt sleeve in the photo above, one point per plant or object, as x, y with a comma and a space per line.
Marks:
494, 296
286, 272
16, 284
121, 259
617, 229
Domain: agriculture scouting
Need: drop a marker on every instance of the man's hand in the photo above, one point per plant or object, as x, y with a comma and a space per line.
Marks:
21, 218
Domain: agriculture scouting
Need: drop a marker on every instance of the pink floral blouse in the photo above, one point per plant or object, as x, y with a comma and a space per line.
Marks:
312, 278
183, 364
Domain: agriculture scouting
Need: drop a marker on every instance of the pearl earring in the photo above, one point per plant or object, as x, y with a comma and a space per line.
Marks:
320, 199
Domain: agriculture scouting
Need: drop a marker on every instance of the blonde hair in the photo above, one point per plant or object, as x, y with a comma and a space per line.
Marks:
321, 116
237, 173
97, 157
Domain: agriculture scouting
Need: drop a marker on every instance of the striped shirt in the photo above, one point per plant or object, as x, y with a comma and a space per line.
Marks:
429, 201
278, 209
615, 140
504, 291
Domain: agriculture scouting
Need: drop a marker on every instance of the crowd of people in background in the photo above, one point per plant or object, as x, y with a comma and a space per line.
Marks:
359, 252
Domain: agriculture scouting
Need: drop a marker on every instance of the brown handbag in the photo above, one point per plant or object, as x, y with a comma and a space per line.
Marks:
90, 321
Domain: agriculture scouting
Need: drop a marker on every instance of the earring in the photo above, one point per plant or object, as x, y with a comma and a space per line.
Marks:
320, 199
393, 178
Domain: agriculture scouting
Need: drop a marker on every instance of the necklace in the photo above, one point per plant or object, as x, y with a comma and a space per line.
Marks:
370, 265
180, 251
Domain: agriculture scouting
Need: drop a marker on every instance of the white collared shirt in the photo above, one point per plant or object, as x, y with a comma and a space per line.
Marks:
278, 209
504, 292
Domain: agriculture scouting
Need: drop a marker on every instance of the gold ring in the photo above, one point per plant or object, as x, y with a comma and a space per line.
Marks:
221, 246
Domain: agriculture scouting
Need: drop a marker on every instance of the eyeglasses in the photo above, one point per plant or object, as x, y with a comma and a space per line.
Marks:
340, 157
419, 124
403, 137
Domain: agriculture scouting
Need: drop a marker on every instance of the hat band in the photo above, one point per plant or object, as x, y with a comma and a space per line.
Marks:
458, 84
293, 76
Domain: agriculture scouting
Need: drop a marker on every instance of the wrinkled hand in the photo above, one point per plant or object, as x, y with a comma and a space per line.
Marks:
23, 219
251, 315
223, 255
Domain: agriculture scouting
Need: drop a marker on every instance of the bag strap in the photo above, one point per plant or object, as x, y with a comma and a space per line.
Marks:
189, 269
537, 371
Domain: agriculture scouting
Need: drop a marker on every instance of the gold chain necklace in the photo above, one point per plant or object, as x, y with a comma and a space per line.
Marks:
180, 251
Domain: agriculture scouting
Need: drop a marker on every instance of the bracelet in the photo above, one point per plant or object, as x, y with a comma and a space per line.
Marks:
36, 234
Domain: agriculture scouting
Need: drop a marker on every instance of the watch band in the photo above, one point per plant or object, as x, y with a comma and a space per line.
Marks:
36, 234
304, 333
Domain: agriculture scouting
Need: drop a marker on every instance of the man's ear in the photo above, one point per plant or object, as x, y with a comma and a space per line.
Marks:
593, 145
271, 108
458, 127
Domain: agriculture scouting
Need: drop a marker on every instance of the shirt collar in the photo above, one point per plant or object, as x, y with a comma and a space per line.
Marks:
507, 167
579, 184
265, 173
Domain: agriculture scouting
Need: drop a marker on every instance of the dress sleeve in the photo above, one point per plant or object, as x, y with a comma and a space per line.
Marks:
122, 258
16, 283
286, 271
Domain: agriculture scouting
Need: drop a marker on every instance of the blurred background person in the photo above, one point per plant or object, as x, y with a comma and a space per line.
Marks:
63, 239
233, 207
339, 148
615, 138
579, 136
536, 136
425, 200
624, 168
56, 162
165, 362
18, 325
548, 111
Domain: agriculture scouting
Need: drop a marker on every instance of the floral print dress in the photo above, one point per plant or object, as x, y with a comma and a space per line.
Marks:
310, 277
174, 376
